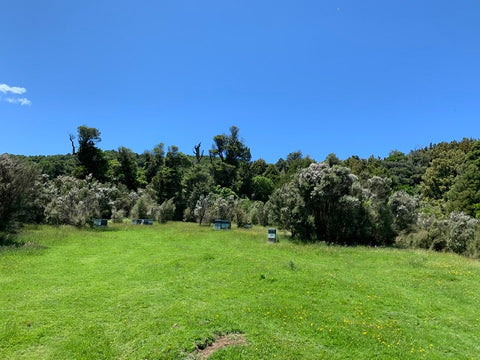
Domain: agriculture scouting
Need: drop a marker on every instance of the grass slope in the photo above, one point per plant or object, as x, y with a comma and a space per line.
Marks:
156, 292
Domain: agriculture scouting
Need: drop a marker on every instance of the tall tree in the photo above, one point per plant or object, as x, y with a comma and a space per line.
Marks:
197, 183
234, 156
92, 159
154, 160
168, 180
230, 148
323, 188
128, 168
198, 153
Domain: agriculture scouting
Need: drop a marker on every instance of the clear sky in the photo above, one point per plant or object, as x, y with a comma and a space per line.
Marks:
321, 76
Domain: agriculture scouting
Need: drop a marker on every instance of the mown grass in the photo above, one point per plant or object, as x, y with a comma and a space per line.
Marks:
157, 292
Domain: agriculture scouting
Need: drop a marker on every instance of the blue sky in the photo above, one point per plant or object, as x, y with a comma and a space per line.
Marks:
321, 76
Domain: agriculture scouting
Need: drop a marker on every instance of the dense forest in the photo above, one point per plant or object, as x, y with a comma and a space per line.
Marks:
428, 198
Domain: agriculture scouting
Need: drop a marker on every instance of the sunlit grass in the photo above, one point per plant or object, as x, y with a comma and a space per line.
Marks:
156, 292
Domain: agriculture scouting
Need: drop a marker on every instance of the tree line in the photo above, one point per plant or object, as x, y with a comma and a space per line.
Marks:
429, 197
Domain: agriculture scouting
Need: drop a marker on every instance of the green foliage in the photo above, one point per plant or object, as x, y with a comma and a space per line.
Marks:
258, 167
53, 165
153, 161
230, 148
92, 159
127, 171
407, 170
262, 188
242, 212
322, 188
286, 208
17, 191
202, 207
465, 192
223, 208
327, 203
332, 159
289, 167
259, 213
366, 168
196, 182
224, 174
166, 211
440, 175
272, 173
77, 202
459, 233
143, 208
380, 216
403, 207
167, 183
232, 167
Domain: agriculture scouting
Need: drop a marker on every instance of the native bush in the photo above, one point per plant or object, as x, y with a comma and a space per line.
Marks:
380, 219
461, 232
223, 208
166, 211
77, 202
259, 214
325, 202
404, 210
17, 191
202, 207
241, 212
143, 208
458, 233
146, 207
286, 208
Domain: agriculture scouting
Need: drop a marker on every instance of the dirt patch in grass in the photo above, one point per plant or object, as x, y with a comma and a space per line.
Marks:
203, 351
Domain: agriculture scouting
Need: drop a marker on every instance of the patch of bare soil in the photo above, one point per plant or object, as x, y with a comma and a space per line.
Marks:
203, 351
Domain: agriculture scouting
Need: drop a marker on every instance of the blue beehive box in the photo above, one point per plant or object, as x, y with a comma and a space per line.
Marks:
222, 225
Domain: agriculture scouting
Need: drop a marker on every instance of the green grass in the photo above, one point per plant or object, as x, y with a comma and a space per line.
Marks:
156, 292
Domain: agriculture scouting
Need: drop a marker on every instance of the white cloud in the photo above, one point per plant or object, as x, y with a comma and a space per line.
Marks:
4, 88
11, 91
21, 101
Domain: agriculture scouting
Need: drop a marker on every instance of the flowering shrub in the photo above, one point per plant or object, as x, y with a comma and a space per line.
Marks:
77, 202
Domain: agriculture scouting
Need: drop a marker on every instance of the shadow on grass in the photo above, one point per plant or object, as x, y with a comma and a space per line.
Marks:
11, 242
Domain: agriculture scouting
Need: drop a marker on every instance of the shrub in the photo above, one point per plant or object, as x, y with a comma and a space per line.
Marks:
223, 208
242, 212
201, 208
145, 207
17, 188
458, 233
404, 210
77, 202
118, 216
166, 211
259, 214
461, 232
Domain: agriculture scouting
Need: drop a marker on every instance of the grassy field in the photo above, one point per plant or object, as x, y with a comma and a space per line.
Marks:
160, 292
